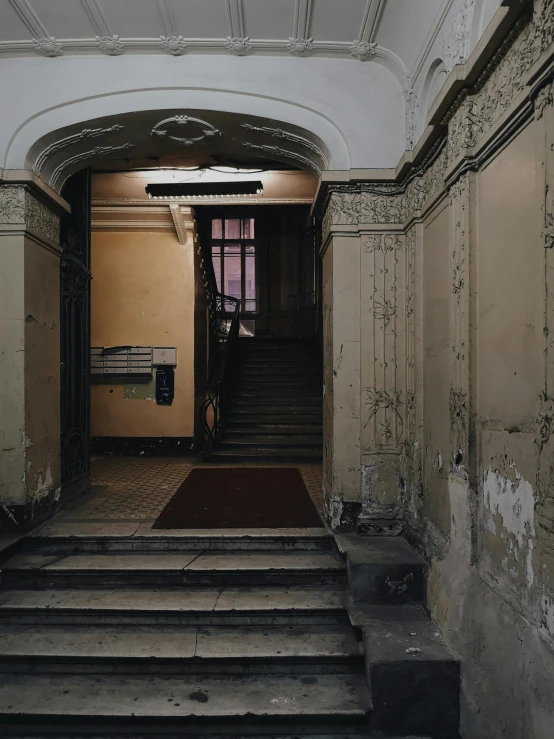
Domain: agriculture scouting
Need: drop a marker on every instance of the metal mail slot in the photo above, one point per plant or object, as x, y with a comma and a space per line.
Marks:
141, 350
116, 370
97, 371
139, 371
140, 363
96, 350
115, 357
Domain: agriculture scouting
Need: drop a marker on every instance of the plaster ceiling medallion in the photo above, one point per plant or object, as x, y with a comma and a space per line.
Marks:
238, 45
112, 45
173, 44
363, 50
164, 127
300, 46
48, 46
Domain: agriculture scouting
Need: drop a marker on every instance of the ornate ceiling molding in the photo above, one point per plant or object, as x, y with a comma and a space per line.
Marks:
99, 151
300, 46
363, 50
87, 133
277, 151
238, 45
173, 45
179, 222
280, 133
111, 45
48, 46
163, 128
455, 44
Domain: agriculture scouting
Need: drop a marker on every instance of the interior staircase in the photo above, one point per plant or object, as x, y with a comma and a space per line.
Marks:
275, 411
259, 635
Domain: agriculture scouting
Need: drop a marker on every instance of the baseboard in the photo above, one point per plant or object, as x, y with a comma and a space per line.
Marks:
143, 446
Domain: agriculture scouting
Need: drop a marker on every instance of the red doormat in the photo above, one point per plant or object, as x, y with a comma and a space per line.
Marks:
240, 498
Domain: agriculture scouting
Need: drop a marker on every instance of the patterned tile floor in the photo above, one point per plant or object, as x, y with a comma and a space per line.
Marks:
138, 488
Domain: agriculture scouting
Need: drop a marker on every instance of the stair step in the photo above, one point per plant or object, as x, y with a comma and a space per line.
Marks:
75, 537
201, 606
132, 569
183, 702
171, 649
268, 456
296, 426
233, 438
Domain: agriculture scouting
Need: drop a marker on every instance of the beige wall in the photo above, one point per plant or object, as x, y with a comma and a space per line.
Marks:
143, 294
29, 356
436, 291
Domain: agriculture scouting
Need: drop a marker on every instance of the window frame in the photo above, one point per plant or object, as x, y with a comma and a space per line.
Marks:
243, 243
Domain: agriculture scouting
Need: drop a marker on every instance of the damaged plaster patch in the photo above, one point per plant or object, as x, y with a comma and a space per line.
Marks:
511, 499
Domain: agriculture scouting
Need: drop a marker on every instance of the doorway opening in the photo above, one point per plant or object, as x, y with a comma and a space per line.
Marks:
154, 267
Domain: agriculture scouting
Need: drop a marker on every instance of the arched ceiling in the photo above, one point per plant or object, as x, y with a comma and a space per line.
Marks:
201, 138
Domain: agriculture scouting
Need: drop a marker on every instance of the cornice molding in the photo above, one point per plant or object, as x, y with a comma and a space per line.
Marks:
198, 200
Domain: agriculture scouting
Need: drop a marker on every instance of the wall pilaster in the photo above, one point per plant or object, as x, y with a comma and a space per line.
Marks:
29, 356
364, 292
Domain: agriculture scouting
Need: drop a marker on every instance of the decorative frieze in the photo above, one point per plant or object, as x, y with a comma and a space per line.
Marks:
382, 310
19, 207
410, 281
76, 138
459, 321
280, 133
455, 45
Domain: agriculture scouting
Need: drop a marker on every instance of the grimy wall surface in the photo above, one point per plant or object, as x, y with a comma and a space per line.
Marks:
451, 412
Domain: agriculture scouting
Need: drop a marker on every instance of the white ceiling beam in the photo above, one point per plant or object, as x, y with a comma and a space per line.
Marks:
370, 20
302, 19
166, 17
30, 18
97, 18
235, 16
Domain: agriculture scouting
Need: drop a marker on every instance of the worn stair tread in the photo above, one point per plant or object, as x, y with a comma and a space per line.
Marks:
393, 632
379, 550
223, 562
207, 697
175, 600
166, 642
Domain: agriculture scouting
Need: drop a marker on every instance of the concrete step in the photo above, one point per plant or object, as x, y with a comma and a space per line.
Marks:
165, 570
236, 439
252, 650
199, 607
186, 704
251, 426
383, 569
414, 678
268, 456
65, 537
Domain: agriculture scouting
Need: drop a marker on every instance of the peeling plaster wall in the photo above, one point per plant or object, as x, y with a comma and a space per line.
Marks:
487, 292
460, 376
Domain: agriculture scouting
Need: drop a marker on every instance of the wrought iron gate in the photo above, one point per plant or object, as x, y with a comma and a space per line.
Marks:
75, 333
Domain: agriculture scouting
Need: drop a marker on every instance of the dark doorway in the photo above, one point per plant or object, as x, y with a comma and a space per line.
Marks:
75, 279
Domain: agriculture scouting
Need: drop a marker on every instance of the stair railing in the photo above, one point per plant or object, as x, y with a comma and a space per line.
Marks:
223, 331
224, 324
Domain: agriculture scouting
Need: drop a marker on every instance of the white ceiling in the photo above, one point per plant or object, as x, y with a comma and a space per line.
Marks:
355, 29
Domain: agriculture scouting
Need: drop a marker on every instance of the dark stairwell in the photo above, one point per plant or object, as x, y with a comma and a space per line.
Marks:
274, 411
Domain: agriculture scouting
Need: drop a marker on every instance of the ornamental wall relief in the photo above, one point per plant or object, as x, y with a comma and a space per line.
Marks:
19, 207
176, 128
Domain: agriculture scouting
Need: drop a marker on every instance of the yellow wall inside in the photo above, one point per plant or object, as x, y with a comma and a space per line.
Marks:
143, 294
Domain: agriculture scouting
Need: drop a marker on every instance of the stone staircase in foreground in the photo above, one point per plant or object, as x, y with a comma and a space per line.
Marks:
283, 635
